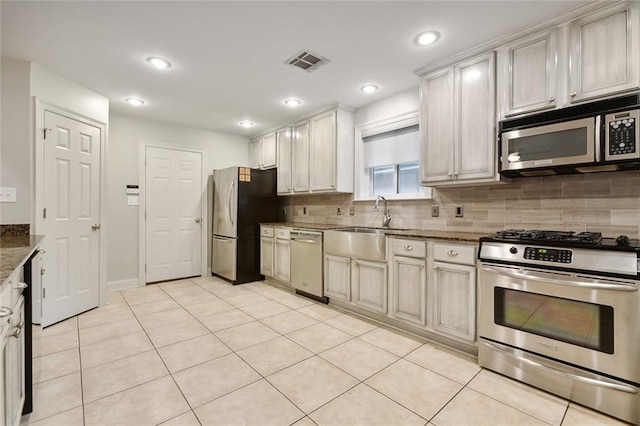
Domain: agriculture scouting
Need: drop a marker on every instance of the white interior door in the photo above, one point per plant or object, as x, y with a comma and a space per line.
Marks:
173, 181
71, 217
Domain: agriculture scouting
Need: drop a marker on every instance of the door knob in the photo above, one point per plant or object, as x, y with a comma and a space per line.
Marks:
198, 220
95, 226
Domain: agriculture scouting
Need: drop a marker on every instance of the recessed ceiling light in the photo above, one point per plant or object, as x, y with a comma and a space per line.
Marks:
134, 101
159, 62
246, 124
292, 102
369, 88
426, 38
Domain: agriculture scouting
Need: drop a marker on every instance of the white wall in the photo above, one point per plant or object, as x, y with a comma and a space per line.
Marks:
125, 133
394, 105
16, 148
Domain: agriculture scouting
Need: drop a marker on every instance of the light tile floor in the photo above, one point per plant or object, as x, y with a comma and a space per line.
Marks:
201, 351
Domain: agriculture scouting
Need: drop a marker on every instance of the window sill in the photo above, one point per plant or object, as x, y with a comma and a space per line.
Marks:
428, 195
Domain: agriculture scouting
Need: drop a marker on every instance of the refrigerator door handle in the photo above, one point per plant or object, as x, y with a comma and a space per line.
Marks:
230, 194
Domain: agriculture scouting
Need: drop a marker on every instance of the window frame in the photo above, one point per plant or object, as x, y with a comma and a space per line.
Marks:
363, 182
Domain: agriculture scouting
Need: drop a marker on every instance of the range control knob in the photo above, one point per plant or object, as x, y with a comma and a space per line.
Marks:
513, 250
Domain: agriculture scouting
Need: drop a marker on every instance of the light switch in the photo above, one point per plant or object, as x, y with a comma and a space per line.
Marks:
7, 195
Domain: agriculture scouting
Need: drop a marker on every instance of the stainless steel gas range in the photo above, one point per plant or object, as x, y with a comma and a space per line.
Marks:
561, 311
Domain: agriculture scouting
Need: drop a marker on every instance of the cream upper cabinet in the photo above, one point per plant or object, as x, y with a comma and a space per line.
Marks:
528, 74
436, 127
268, 151
604, 49
458, 122
284, 140
262, 152
300, 157
322, 154
322, 151
254, 153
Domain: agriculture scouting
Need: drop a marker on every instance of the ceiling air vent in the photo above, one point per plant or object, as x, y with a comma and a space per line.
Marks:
307, 61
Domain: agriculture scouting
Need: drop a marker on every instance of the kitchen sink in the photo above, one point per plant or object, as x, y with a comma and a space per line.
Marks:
359, 243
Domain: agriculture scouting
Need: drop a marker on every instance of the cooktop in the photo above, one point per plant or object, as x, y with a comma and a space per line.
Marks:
592, 240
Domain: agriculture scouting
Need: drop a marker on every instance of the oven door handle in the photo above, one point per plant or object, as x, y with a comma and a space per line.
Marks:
505, 350
546, 279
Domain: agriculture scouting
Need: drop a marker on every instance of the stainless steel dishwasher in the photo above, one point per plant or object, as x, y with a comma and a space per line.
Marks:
306, 264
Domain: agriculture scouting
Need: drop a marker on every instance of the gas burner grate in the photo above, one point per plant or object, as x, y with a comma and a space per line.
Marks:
543, 235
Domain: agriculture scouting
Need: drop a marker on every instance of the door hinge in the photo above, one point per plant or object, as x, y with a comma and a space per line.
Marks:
145, 268
44, 213
44, 131
44, 292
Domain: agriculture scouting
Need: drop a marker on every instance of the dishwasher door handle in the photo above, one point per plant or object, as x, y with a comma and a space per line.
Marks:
306, 241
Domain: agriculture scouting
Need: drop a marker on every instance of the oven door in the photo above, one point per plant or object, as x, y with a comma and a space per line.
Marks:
583, 320
567, 143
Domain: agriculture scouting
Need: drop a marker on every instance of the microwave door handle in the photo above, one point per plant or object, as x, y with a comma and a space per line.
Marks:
597, 135
588, 380
530, 275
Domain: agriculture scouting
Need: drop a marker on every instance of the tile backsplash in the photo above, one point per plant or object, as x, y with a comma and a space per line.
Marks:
605, 202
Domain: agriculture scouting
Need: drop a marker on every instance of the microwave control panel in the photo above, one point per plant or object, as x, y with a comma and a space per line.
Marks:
622, 136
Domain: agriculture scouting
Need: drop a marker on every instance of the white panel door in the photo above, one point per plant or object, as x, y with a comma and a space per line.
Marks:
173, 181
72, 218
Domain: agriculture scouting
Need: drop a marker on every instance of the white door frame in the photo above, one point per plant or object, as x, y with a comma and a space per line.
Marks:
40, 107
142, 209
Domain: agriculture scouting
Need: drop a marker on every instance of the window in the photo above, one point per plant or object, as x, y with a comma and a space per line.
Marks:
391, 161
387, 159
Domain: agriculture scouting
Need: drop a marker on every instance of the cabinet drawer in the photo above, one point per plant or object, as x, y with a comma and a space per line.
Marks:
282, 233
454, 253
266, 231
409, 248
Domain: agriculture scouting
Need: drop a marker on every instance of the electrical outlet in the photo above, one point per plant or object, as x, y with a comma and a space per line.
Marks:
284, 211
304, 210
339, 211
435, 210
459, 210
352, 211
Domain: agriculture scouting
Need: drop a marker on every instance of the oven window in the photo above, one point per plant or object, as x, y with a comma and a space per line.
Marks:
584, 324
560, 144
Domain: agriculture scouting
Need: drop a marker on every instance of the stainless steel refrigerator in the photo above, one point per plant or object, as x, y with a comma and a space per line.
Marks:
242, 199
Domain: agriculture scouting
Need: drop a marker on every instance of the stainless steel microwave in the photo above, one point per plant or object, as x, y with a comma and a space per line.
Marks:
601, 136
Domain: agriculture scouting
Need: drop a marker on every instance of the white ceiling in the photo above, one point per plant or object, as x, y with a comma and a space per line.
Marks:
228, 57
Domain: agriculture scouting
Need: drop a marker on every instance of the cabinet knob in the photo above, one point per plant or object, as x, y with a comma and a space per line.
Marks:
573, 94
408, 248
435, 267
95, 226
16, 333
5, 312
198, 220
455, 175
450, 174
21, 285
552, 98
452, 253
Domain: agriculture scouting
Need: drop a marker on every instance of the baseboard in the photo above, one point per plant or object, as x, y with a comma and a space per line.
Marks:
122, 284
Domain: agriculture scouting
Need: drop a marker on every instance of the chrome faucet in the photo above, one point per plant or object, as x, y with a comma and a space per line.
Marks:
387, 217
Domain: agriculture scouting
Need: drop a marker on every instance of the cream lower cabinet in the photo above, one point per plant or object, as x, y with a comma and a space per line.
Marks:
337, 277
14, 366
266, 251
408, 290
282, 255
369, 285
453, 283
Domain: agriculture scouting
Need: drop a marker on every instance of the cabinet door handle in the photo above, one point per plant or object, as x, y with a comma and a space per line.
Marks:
573, 94
21, 285
5, 312
20, 324
408, 248
436, 267
452, 253
450, 174
198, 220
95, 226
455, 175
552, 98
16, 333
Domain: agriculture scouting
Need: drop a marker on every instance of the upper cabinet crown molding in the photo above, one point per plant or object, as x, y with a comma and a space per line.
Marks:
545, 24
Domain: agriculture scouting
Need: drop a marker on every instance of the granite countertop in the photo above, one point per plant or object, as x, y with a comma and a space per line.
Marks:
415, 233
14, 251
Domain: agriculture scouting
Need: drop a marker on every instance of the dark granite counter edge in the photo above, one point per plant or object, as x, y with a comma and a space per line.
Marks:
13, 257
408, 233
